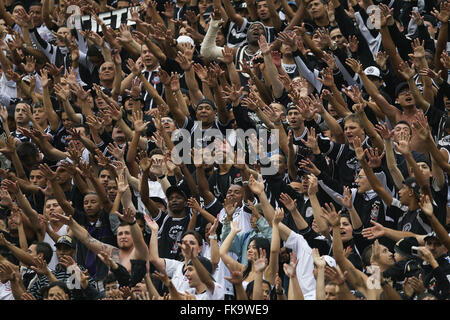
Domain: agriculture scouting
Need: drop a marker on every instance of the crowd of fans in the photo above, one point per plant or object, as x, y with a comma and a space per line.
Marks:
125, 174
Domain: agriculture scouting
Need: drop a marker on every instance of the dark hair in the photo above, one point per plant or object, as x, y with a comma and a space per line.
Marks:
35, 167
155, 151
139, 216
110, 278
17, 3
27, 150
405, 123
50, 198
45, 249
82, 125
196, 235
61, 284
260, 243
251, 285
366, 255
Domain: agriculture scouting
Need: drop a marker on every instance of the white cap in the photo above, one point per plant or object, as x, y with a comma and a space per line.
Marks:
184, 39
372, 71
330, 261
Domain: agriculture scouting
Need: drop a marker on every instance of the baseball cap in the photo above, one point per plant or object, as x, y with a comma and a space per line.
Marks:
411, 182
403, 246
330, 261
400, 87
67, 240
127, 96
372, 71
186, 39
175, 189
292, 3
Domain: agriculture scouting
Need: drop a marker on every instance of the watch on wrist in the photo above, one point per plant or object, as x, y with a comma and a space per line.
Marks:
132, 223
213, 237
161, 177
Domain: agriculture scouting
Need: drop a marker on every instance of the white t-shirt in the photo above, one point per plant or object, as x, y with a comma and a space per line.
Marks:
218, 294
221, 271
174, 270
305, 264
5, 291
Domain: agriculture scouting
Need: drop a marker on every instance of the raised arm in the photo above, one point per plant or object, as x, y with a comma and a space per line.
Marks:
92, 244
392, 112
25, 206
57, 190
391, 162
140, 251
373, 180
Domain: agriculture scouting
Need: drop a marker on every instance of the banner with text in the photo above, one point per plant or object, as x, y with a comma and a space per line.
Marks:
112, 19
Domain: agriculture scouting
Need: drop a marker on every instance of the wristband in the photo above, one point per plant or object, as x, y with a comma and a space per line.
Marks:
214, 237
134, 222
161, 177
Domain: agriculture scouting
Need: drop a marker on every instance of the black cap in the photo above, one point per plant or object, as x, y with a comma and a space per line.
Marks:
67, 240
403, 246
93, 51
411, 182
400, 87
175, 189
127, 96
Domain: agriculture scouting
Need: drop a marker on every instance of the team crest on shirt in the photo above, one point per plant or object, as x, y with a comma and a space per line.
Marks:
375, 211
309, 212
353, 163
156, 80
407, 227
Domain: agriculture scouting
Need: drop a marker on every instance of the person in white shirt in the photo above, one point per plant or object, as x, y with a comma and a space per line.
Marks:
198, 273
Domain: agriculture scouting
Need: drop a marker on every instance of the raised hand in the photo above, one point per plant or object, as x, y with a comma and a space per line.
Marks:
193, 204
291, 269
319, 261
353, 43
381, 59
425, 205
383, 131
287, 201
374, 158
261, 263
335, 276
138, 121
354, 65
406, 71
403, 143
330, 215
144, 161
122, 187
278, 216
256, 186
347, 199
374, 232
128, 215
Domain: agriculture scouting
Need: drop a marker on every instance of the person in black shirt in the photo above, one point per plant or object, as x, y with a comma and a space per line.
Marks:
435, 267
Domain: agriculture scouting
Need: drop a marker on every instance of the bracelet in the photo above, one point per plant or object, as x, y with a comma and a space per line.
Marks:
134, 222
161, 177
214, 237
